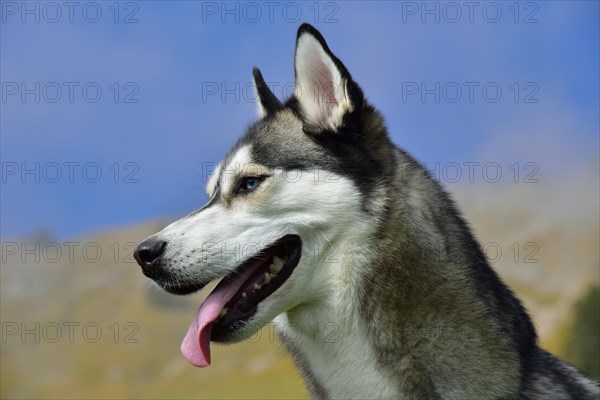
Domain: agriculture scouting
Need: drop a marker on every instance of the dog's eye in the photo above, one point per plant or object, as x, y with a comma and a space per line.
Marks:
249, 183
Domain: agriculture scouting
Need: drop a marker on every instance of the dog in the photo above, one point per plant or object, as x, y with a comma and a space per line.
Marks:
377, 286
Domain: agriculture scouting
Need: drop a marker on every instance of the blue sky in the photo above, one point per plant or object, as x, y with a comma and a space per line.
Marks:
174, 83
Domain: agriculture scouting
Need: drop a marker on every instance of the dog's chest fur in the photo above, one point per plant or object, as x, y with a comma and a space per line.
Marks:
335, 362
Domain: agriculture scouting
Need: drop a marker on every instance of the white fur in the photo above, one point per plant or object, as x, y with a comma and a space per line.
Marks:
213, 180
320, 88
237, 166
319, 295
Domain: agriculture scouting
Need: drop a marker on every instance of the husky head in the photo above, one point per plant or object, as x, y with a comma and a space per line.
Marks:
290, 207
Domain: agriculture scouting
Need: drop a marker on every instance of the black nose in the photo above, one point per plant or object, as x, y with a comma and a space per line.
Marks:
148, 254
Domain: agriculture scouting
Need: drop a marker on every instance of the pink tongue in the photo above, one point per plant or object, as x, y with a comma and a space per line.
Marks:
196, 343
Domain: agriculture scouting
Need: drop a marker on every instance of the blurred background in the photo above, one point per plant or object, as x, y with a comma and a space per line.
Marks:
113, 115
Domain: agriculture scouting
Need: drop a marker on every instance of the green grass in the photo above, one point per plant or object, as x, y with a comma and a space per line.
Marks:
581, 342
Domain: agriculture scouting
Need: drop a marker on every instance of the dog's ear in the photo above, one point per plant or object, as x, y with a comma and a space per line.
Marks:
266, 101
324, 88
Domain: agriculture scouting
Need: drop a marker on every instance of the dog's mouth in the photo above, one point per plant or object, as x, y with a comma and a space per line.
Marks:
236, 297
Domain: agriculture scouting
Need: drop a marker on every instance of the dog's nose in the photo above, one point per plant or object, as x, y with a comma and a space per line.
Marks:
147, 254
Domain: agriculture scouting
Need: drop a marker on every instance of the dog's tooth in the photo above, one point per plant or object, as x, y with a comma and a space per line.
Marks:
223, 313
267, 277
277, 263
244, 295
274, 269
256, 286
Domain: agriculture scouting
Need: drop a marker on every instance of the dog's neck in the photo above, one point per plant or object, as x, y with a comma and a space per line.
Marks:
404, 315
328, 342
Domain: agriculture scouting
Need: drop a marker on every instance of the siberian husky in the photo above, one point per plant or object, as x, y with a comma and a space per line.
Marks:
378, 288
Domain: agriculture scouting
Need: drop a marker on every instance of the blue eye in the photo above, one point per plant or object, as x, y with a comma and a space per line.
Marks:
249, 184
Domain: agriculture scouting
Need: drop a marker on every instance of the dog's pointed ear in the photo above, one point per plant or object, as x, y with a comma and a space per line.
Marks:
324, 88
266, 101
